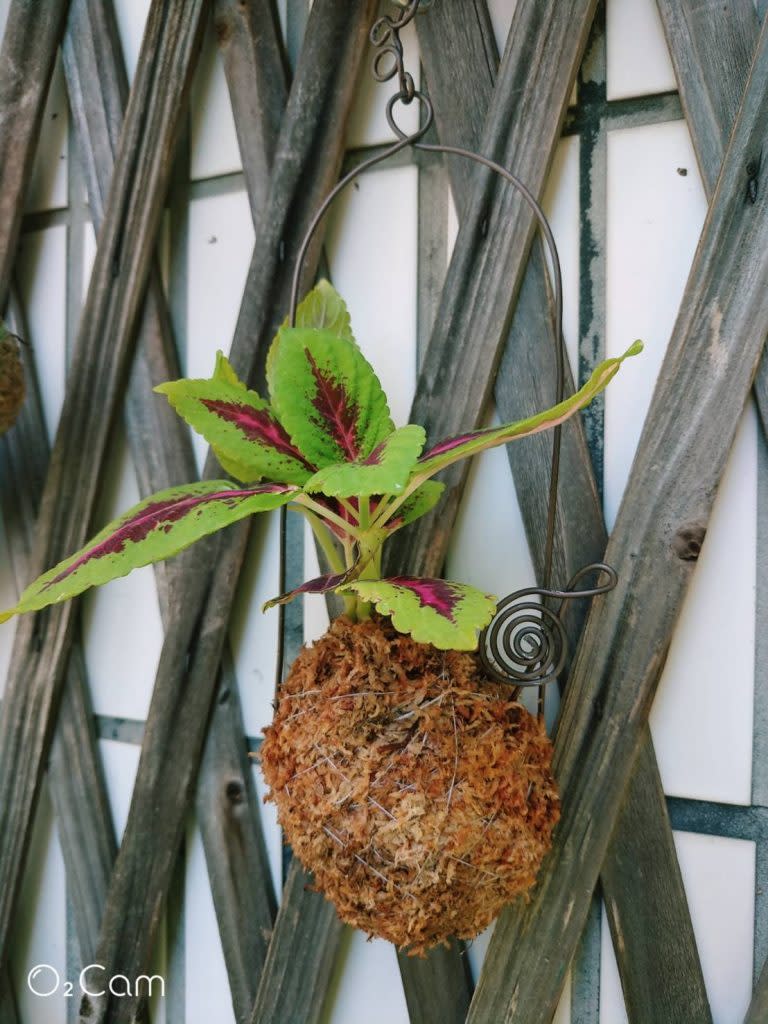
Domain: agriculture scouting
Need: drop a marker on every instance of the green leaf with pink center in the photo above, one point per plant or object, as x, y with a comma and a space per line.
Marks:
241, 428
158, 527
327, 397
439, 612
452, 449
322, 308
385, 471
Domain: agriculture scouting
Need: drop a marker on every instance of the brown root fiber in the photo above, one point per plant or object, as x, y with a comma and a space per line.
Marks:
414, 789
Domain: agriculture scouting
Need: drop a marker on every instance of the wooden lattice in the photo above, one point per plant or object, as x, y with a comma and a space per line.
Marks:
491, 314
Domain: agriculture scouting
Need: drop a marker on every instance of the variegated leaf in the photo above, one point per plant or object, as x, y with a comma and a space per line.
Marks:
416, 505
240, 427
385, 471
438, 612
156, 528
322, 308
225, 371
319, 585
327, 397
463, 445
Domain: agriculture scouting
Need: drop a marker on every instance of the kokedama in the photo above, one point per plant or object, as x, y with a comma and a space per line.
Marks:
415, 789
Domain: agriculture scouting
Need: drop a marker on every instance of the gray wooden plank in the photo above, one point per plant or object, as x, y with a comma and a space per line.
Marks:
711, 92
301, 954
256, 68
652, 890
543, 53
27, 57
707, 372
76, 784
162, 455
187, 673
108, 325
227, 800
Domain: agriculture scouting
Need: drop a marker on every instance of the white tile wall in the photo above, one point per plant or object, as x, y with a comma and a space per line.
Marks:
638, 59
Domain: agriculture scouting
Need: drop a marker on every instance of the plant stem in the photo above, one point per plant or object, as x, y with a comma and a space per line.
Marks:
323, 538
321, 512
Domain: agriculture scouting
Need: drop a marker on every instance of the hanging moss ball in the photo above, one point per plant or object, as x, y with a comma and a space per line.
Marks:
11, 379
417, 793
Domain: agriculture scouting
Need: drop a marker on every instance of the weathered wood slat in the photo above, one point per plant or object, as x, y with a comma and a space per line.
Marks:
9, 1014
76, 785
191, 654
438, 989
711, 91
545, 46
300, 957
644, 884
227, 802
108, 326
27, 57
460, 61
256, 68
75, 780
706, 375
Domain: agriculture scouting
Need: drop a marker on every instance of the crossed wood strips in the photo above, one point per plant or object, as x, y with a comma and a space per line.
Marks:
490, 336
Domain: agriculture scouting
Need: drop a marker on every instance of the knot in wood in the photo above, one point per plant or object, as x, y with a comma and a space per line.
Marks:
688, 540
235, 791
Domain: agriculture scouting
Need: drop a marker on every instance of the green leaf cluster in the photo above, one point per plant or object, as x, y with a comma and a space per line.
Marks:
322, 442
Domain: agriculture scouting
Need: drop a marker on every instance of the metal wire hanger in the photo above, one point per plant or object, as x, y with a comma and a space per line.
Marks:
525, 644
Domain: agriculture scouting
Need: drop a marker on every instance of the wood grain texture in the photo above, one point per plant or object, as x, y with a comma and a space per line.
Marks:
227, 802
256, 68
643, 888
99, 362
27, 57
188, 670
521, 131
293, 989
76, 783
705, 378
711, 91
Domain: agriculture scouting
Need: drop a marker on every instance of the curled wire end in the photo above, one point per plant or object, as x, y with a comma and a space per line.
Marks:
525, 643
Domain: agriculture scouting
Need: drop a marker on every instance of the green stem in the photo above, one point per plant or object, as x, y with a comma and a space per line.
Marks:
321, 512
323, 538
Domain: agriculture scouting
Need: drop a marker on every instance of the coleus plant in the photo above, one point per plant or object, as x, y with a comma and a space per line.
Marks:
325, 445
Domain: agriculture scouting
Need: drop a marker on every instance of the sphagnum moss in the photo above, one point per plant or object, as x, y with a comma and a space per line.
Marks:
418, 794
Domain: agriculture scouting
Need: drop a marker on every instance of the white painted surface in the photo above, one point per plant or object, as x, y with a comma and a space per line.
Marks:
48, 188
39, 939
702, 716
42, 281
214, 148
638, 59
655, 216
719, 876
121, 647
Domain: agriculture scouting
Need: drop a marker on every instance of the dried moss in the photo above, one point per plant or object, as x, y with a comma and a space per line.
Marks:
414, 789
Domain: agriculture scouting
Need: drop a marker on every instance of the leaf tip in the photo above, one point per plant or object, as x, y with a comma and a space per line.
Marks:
635, 348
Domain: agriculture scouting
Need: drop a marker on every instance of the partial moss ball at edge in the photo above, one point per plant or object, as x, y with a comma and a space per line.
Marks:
417, 793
